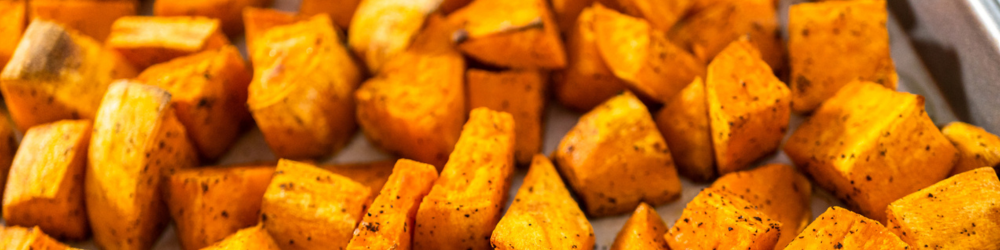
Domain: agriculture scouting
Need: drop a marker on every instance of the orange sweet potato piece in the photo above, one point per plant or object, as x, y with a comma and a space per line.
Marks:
586, 81
389, 222
839, 228
250, 238
13, 21
382, 29
778, 191
643, 231
146, 41
340, 11
518, 92
93, 18
684, 123
717, 219
229, 12
510, 33
258, 21
707, 32
976, 146
19, 238
662, 15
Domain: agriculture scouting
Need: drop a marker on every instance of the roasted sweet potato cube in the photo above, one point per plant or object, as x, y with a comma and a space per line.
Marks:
382, 29
778, 191
228, 12
976, 147
415, 108
373, 175
340, 11
567, 12
543, 214
510, 33
13, 21
683, 121
146, 41
718, 219
136, 140
643, 231
615, 158
209, 93
870, 145
250, 238
258, 21
957, 213
466, 201
747, 107
306, 207
58, 74
301, 92
19, 238
389, 222
83, 15
662, 15
838, 228
707, 32
209, 204
8, 146
518, 92
586, 81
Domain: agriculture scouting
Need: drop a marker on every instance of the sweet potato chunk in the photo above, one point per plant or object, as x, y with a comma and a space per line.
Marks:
683, 121
135, 141
838, 228
778, 191
340, 11
747, 106
518, 92
370, 174
706, 33
976, 147
250, 238
586, 81
258, 21
466, 202
957, 213
13, 20
93, 18
510, 33
870, 145
543, 214
643, 231
209, 204
58, 74
717, 219
19, 238
662, 15
615, 158
229, 12
389, 222
567, 12
306, 207
301, 92
146, 41
831, 44
382, 29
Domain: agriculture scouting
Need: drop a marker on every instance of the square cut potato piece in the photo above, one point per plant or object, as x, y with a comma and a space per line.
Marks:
718, 219
976, 147
747, 107
615, 158
415, 107
13, 21
382, 29
707, 32
390, 220
146, 41
521, 93
340, 11
662, 15
543, 214
586, 81
209, 204
832, 44
136, 140
510, 34
93, 18
957, 213
229, 12
869, 146
19, 238
45, 186
839, 228
209, 92
467, 200
57, 73
778, 191
249, 238
300, 95
643, 231
684, 123
306, 207
257, 21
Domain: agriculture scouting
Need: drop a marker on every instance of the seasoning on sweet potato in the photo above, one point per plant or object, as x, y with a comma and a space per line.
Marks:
839, 228
543, 214
518, 92
209, 204
389, 222
19, 238
869, 146
747, 106
615, 158
229, 12
306, 207
258, 21
93, 18
778, 191
643, 231
57, 74
370, 174
146, 41
976, 147
684, 123
340, 11
718, 219
957, 213
136, 140
301, 92
510, 33
586, 81
249, 238
382, 29
707, 32
415, 108
466, 201
13, 21
661, 15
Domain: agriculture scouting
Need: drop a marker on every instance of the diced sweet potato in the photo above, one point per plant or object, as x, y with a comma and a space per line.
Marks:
567, 12
747, 107
136, 140
250, 238
870, 145
340, 11
13, 21
370, 174
382, 29
778, 191
662, 15
717, 219
587, 81
306, 207
838, 228
209, 204
93, 18
615, 158
229, 12
389, 222
466, 201
146, 41
518, 92
19, 238
301, 92
510, 33
976, 147
957, 213
543, 214
58, 74
684, 123
643, 231
258, 21
707, 32
8, 146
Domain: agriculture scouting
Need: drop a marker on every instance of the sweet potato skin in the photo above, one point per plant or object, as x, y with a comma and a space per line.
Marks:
839, 228
250, 238
976, 146
722, 220
13, 21
778, 191
19, 238
229, 12
146, 41
389, 222
510, 33
586, 81
643, 231
521, 93
79, 14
